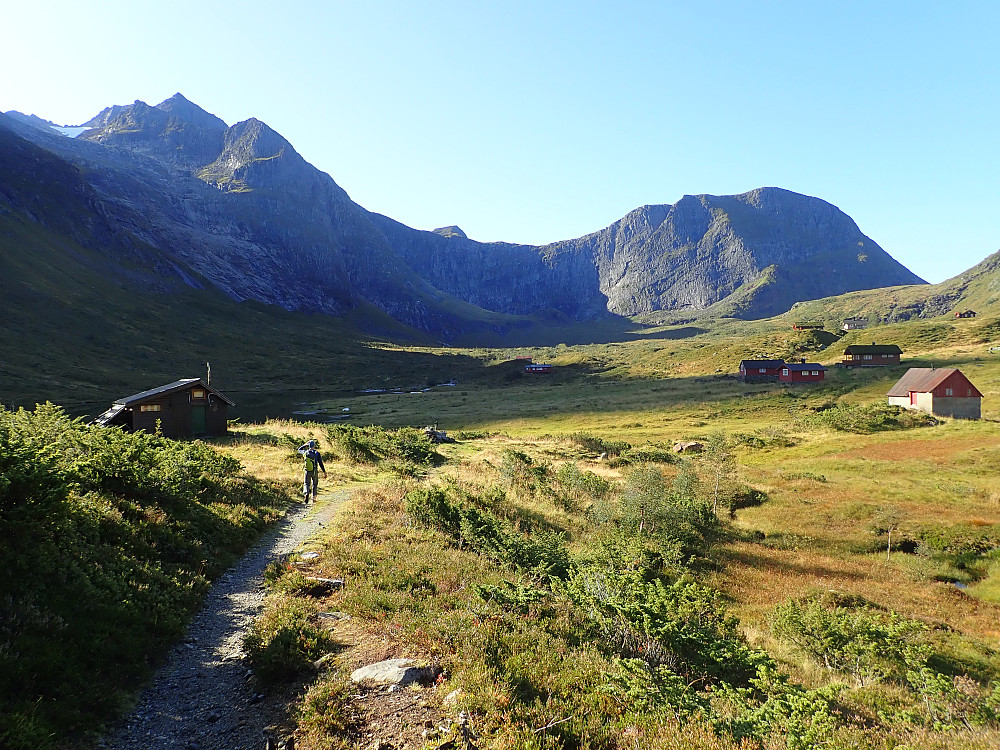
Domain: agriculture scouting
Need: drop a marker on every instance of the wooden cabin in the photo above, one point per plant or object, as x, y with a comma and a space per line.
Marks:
854, 324
941, 391
876, 355
805, 325
966, 314
802, 372
183, 409
536, 369
760, 370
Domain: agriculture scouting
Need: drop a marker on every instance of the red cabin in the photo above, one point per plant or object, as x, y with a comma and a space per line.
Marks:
802, 372
760, 370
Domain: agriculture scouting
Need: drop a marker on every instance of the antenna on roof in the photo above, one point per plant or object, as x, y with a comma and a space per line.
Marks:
208, 381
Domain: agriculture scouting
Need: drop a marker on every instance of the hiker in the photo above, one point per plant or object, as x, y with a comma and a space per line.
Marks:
313, 464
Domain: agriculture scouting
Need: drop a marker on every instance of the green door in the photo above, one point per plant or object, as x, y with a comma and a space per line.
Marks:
198, 420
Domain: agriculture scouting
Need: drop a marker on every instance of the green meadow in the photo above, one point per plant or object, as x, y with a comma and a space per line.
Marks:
823, 573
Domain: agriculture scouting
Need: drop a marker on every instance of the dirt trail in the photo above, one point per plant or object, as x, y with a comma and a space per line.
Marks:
203, 697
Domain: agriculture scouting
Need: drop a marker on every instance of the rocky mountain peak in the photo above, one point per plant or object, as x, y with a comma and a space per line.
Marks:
183, 109
451, 231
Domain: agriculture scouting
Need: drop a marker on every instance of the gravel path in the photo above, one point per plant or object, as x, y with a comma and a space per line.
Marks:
203, 698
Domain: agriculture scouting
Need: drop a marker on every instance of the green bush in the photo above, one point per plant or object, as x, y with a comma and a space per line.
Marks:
543, 554
283, 641
862, 642
109, 543
597, 445
373, 444
869, 418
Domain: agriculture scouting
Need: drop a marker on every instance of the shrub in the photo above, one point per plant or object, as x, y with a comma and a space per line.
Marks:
863, 642
109, 541
283, 641
373, 444
598, 445
543, 554
869, 418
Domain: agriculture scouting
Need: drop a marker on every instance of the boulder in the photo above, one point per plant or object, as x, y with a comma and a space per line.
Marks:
400, 672
688, 446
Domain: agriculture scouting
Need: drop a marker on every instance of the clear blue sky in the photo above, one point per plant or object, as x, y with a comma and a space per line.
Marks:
540, 121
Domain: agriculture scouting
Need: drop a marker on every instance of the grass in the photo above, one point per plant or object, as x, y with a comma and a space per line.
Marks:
523, 649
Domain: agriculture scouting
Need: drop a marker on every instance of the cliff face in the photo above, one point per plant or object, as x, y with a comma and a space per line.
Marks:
238, 208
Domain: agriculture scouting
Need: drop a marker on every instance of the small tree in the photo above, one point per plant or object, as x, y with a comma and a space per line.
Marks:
888, 519
721, 466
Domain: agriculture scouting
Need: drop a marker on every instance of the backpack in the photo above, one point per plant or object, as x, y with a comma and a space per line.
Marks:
310, 463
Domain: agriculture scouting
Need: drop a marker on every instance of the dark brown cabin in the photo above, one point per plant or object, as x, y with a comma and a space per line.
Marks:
876, 355
183, 409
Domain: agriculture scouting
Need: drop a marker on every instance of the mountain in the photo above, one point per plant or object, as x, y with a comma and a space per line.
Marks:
759, 252
236, 208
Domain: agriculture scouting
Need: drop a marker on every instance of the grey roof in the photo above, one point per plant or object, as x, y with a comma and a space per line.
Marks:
169, 388
770, 363
925, 380
799, 366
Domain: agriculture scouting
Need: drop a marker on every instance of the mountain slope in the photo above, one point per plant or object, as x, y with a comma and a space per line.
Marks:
239, 209
761, 251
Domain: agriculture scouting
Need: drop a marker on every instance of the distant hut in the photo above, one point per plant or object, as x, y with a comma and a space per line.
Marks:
185, 408
806, 325
943, 392
537, 369
876, 355
760, 370
966, 314
854, 324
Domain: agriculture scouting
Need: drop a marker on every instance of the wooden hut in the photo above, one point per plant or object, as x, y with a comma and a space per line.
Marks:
876, 355
760, 370
182, 409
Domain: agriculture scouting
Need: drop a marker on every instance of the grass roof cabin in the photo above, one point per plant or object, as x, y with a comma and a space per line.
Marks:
182, 409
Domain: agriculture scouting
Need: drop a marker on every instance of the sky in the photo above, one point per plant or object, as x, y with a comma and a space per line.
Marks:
540, 121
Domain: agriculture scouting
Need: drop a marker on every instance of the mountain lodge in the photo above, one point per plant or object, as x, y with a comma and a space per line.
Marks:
854, 324
943, 392
185, 408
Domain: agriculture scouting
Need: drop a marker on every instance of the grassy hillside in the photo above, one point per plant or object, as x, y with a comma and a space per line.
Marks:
729, 577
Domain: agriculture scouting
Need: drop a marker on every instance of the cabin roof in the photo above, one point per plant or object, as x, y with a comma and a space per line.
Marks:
799, 366
926, 379
873, 349
769, 363
170, 388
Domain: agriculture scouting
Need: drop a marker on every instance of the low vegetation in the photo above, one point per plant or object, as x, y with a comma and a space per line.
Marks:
109, 542
823, 573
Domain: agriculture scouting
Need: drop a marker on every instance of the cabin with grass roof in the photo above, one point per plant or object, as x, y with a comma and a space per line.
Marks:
941, 391
875, 355
182, 409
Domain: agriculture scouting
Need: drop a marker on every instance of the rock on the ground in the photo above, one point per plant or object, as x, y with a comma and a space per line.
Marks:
400, 672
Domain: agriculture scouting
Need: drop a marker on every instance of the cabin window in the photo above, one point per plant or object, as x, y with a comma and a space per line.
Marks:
867, 356
948, 392
814, 372
968, 391
762, 369
785, 371
197, 393
151, 407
